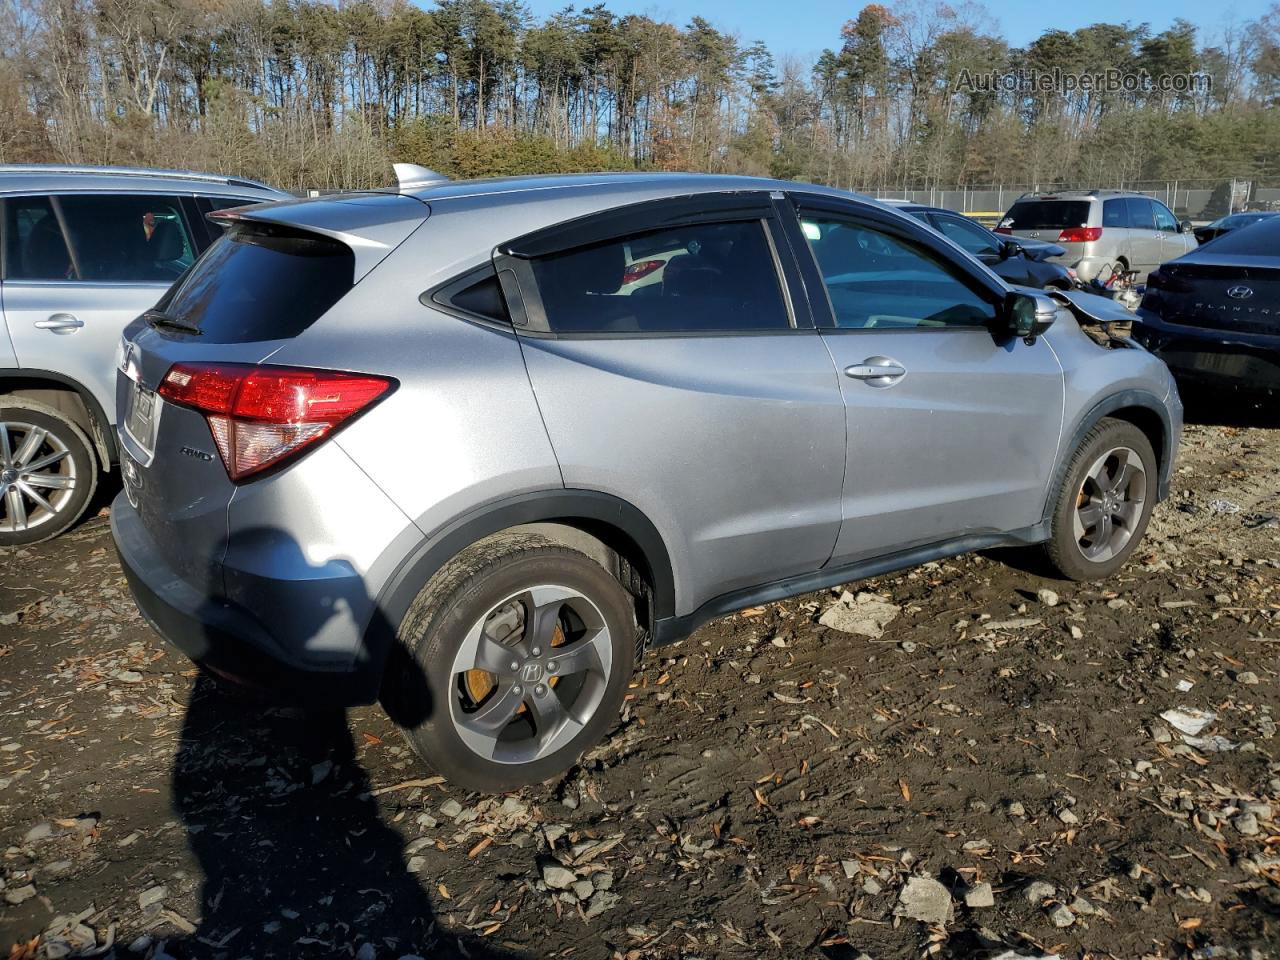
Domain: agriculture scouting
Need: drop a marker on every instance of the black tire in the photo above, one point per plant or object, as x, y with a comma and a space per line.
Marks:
482, 578
1067, 551
78, 463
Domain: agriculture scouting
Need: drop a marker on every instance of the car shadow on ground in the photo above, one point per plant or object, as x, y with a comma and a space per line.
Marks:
296, 860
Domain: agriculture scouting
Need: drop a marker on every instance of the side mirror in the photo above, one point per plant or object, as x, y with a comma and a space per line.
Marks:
1029, 315
1185, 226
1009, 248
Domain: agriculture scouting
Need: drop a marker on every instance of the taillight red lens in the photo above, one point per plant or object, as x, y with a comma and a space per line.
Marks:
260, 416
639, 269
1080, 235
1008, 230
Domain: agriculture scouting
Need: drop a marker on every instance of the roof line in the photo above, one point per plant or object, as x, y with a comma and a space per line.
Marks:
59, 168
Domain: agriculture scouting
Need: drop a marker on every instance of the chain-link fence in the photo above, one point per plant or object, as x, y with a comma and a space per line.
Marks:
1199, 200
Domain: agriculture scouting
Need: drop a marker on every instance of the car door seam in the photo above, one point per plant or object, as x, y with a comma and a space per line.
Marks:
844, 474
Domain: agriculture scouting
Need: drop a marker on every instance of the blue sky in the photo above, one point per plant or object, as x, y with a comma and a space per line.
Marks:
805, 27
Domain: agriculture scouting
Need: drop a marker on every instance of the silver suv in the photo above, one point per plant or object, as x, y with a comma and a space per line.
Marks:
1103, 231
441, 447
85, 250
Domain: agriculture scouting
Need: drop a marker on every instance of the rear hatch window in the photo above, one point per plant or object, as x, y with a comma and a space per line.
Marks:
259, 281
1047, 215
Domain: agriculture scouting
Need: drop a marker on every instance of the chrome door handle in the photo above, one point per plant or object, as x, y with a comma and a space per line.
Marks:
63, 323
878, 371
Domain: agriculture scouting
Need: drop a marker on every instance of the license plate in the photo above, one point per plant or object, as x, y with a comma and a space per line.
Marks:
140, 420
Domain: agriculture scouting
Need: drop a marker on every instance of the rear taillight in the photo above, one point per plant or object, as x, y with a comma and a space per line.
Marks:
261, 416
1080, 235
639, 269
1008, 230
1161, 280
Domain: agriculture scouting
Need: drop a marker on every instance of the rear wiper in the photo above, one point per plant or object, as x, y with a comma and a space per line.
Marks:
158, 318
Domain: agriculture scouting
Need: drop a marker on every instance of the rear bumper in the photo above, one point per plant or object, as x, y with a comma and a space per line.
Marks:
1213, 358
1086, 268
224, 638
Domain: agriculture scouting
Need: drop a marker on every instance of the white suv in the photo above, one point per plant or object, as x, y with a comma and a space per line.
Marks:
85, 250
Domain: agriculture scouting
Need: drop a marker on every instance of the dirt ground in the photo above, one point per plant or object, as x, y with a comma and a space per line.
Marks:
995, 763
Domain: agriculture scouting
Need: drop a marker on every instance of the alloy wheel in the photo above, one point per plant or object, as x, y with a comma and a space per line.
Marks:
530, 674
1109, 504
37, 476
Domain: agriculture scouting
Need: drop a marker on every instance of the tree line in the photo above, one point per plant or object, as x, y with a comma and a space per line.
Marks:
314, 93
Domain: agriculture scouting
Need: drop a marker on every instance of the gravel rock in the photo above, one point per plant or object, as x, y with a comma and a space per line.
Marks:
1247, 824
1037, 891
601, 902
1247, 677
583, 889
557, 877
1047, 597
152, 896
980, 895
1081, 905
925, 899
20, 894
1061, 916
41, 831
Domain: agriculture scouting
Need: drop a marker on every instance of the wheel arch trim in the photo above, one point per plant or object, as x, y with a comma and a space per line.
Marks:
100, 436
1125, 399
545, 506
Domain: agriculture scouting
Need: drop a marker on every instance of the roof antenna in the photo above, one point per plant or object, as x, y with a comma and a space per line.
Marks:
410, 176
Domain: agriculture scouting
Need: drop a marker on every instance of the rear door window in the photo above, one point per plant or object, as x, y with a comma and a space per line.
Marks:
698, 278
1141, 216
123, 238
261, 282
1047, 215
35, 248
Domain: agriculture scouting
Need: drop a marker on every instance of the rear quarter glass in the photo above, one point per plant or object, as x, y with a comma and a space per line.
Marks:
261, 282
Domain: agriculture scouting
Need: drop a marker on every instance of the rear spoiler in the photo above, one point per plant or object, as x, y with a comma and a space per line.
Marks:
370, 224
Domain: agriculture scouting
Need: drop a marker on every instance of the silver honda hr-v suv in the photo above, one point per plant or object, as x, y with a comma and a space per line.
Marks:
440, 447
83, 250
